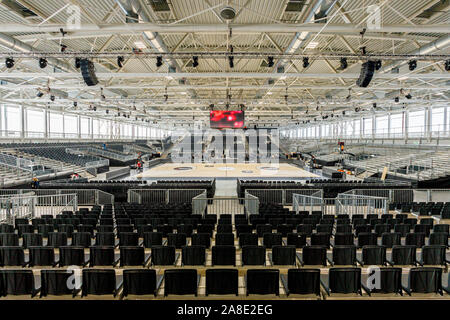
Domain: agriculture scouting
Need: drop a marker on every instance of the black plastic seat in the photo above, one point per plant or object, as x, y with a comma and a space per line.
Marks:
415, 239
71, 256
314, 255
253, 255
425, 280
262, 229
403, 229
105, 239
132, 256
57, 283
201, 239
187, 229
153, 239
128, 239
193, 255
284, 255
344, 255
243, 228
66, 228
438, 238
404, 255
57, 239
285, 229
81, 239
9, 240
391, 239
262, 282
41, 256
344, 280
222, 281
248, 239
434, 255
101, 256
344, 239
373, 255
12, 256
25, 228
272, 239
224, 239
382, 228
205, 228
139, 282
224, 228
163, 256
6, 228
224, 255
178, 240
17, 283
324, 228
180, 282
98, 282
296, 239
305, 229
320, 239
303, 281
367, 239
389, 281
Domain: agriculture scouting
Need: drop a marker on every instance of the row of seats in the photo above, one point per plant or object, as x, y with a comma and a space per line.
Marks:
103, 255
100, 282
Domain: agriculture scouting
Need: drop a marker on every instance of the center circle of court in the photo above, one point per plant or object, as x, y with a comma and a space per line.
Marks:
183, 168
269, 168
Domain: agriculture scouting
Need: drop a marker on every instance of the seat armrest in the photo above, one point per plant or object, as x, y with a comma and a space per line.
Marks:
270, 258
407, 290
35, 291
327, 290
367, 290
283, 278
360, 262
159, 280
330, 262
118, 287
390, 263
299, 259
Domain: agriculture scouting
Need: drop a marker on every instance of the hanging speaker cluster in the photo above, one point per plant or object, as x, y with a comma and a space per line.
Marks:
367, 71
88, 72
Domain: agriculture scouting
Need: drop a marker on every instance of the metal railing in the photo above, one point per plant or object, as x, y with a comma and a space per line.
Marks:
356, 204
199, 203
226, 206
85, 197
281, 196
251, 204
103, 153
393, 195
33, 206
163, 195
97, 164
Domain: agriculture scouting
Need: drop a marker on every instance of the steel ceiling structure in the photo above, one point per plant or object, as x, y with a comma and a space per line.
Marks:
286, 92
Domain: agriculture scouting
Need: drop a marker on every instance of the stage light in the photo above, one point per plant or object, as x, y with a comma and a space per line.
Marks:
344, 63
412, 65
159, 62
396, 99
75, 104
120, 61
195, 61
63, 48
447, 65
9, 63
43, 63
231, 61
39, 94
52, 98
305, 62
374, 105
270, 62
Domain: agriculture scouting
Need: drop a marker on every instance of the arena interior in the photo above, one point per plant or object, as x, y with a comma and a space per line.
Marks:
224, 150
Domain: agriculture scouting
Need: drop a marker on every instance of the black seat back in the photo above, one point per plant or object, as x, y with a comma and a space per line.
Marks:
222, 281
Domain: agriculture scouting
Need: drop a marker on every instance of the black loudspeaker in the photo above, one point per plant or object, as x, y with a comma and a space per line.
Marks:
88, 72
367, 70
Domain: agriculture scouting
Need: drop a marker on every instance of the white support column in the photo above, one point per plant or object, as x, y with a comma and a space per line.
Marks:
22, 121
79, 126
46, 124
405, 124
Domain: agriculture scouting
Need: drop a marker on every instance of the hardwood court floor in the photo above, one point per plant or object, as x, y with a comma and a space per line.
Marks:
224, 170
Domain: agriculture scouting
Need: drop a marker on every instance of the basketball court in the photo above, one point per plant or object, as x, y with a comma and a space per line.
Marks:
223, 170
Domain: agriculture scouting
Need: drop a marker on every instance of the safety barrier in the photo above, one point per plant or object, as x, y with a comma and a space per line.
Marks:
33, 206
280, 196
117, 173
343, 204
199, 203
251, 204
85, 197
226, 206
357, 204
163, 195
394, 195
